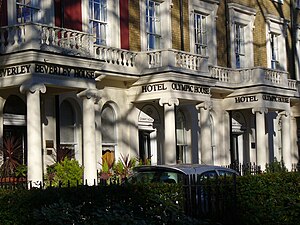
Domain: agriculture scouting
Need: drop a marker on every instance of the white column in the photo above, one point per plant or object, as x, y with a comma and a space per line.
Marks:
286, 141
260, 137
89, 98
205, 133
169, 150
34, 132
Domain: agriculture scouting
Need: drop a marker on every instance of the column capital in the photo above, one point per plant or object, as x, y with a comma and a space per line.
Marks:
32, 87
170, 101
260, 110
95, 94
285, 114
207, 105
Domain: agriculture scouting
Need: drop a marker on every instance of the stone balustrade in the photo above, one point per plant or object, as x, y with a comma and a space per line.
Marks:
251, 76
115, 55
70, 42
42, 37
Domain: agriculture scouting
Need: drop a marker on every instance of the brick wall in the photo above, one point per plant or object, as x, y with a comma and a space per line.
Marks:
176, 33
134, 25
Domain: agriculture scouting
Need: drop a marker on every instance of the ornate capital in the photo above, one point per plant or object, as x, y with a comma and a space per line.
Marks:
207, 105
169, 101
285, 114
91, 93
32, 87
260, 110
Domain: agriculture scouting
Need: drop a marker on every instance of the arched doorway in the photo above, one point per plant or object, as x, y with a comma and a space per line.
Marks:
148, 121
239, 151
14, 126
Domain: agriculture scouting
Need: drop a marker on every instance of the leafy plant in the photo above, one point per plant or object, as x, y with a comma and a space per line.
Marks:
125, 165
11, 151
276, 167
65, 173
21, 171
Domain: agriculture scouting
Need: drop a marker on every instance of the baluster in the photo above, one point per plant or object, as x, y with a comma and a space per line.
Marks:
150, 60
68, 40
43, 36
121, 57
56, 34
62, 38
51, 37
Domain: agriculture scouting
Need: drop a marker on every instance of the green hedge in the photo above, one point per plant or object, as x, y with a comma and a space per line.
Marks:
269, 199
154, 204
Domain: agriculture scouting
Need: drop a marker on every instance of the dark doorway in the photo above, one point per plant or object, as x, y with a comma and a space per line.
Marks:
144, 146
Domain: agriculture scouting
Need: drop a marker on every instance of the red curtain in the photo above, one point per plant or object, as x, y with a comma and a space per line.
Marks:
68, 14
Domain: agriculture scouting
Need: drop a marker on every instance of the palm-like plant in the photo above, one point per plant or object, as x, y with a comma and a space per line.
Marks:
11, 151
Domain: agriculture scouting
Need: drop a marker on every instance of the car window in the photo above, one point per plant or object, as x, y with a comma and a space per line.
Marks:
156, 177
225, 173
208, 175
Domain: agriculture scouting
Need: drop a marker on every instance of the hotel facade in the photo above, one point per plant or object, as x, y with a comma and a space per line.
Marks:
170, 81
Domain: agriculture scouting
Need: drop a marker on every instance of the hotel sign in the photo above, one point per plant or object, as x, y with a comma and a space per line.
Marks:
264, 97
175, 86
50, 69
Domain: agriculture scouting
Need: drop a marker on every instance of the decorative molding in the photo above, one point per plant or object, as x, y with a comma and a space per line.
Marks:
170, 101
91, 93
32, 87
260, 110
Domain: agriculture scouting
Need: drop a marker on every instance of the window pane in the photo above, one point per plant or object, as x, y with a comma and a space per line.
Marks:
153, 25
67, 123
200, 33
98, 20
108, 125
26, 11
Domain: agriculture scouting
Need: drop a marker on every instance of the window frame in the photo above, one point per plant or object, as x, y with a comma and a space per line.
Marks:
200, 46
239, 43
209, 10
166, 29
153, 24
109, 144
244, 16
100, 34
33, 11
276, 26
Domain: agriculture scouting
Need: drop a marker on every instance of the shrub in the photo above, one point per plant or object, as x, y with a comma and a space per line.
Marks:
270, 198
114, 204
65, 173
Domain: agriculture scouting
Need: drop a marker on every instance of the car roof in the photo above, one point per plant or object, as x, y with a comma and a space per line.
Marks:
186, 169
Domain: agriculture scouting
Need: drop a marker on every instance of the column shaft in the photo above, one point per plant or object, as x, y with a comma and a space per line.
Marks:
170, 134
206, 151
89, 142
261, 148
34, 141
286, 141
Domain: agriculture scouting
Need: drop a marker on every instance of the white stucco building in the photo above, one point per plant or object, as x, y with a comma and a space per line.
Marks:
210, 81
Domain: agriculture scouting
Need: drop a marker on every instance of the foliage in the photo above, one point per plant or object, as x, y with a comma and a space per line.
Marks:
68, 172
124, 166
11, 151
114, 204
269, 198
21, 171
276, 167
118, 171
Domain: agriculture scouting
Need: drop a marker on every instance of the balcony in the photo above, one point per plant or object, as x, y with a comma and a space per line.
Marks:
41, 37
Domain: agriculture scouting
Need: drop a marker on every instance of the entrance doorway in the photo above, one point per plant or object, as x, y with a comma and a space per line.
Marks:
144, 146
